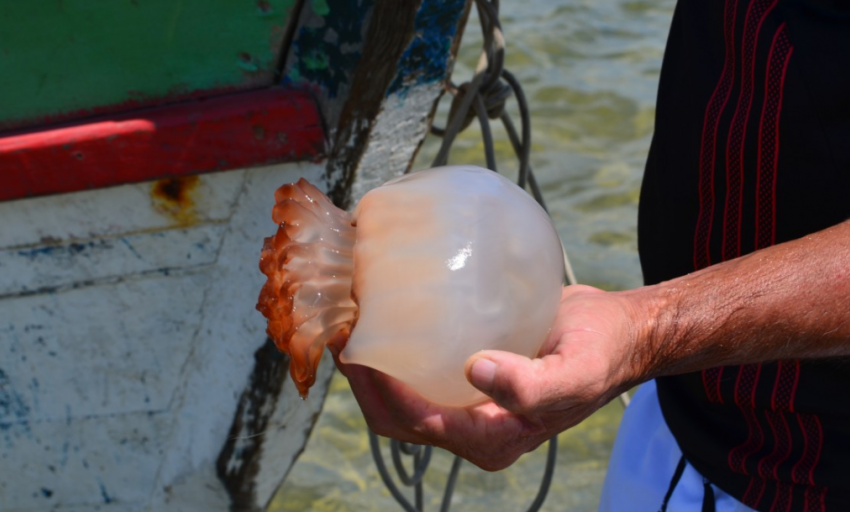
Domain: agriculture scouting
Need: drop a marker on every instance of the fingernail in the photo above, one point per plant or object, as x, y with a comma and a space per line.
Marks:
482, 374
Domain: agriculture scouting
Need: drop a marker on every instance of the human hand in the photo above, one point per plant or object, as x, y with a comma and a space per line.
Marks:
587, 360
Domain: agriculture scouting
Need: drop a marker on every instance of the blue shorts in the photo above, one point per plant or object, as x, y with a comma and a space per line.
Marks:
644, 461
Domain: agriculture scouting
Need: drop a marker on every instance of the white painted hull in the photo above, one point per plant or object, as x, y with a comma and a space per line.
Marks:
127, 343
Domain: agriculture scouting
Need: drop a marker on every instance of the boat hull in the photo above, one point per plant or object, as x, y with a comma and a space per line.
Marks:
130, 349
134, 372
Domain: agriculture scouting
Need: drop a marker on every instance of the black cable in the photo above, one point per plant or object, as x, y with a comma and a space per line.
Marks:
483, 97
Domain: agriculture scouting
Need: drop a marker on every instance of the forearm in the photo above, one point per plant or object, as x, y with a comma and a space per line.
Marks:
789, 301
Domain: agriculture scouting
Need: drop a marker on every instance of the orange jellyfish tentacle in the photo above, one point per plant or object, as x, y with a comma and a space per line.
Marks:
449, 261
308, 264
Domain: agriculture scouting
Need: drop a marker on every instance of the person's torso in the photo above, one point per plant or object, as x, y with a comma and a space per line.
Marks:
751, 149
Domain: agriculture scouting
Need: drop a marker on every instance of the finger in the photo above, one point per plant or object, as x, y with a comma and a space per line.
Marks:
444, 426
410, 411
469, 432
379, 417
523, 386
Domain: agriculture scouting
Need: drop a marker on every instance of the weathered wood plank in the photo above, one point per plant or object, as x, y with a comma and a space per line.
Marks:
84, 464
325, 50
96, 332
393, 96
56, 267
77, 58
429, 57
263, 441
127, 209
128, 388
221, 408
214, 381
376, 68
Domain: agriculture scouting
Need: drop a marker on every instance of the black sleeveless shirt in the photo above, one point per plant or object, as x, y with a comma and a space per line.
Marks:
751, 149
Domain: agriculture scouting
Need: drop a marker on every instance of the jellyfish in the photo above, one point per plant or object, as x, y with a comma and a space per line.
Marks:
428, 269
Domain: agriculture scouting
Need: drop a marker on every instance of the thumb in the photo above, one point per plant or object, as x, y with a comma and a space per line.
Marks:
511, 380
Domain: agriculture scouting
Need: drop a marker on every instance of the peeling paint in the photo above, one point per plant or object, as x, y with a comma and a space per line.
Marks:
268, 427
327, 62
320, 7
382, 50
67, 250
13, 409
427, 58
388, 59
103, 493
63, 267
132, 249
238, 463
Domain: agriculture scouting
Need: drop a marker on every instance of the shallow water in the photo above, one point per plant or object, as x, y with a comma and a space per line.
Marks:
590, 71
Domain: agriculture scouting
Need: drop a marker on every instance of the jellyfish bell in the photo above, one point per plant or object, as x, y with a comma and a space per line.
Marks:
429, 269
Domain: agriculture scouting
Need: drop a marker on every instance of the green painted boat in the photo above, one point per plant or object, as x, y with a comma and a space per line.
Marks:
141, 142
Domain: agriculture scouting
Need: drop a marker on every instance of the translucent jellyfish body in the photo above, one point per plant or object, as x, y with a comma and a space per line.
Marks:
429, 269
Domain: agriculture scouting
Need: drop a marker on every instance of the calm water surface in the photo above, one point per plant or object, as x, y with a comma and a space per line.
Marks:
590, 71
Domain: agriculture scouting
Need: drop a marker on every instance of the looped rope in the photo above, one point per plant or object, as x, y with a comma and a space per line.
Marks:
472, 98
494, 97
493, 91
484, 98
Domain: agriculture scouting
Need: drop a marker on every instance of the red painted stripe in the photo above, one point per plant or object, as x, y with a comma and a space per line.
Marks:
757, 11
768, 151
708, 142
262, 127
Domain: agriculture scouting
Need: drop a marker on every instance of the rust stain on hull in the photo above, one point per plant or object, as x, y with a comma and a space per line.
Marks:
174, 197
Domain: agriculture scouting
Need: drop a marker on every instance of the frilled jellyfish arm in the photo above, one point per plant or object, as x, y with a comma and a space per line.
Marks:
307, 298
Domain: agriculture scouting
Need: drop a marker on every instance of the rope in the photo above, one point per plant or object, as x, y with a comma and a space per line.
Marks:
482, 98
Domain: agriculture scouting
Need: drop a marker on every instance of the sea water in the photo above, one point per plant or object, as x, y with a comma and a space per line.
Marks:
590, 71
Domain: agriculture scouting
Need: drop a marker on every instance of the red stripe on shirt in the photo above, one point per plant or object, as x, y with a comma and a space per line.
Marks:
756, 14
785, 386
803, 472
768, 150
782, 403
711, 382
708, 142
783, 498
745, 391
